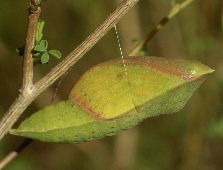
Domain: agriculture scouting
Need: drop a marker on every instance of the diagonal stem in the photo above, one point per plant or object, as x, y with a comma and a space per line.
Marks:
7, 159
173, 12
23, 101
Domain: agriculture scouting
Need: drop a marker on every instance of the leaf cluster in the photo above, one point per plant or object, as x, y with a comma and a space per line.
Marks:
41, 54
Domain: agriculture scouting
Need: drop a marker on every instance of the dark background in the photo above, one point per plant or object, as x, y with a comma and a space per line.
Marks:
171, 142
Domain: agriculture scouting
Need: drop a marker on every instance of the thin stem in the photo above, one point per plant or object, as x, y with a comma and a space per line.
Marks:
22, 102
12, 155
173, 12
27, 79
7, 159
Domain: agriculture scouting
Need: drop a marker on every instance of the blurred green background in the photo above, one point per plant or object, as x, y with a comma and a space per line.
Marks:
183, 141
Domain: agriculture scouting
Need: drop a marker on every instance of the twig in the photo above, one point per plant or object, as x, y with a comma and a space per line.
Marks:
14, 153
23, 101
7, 159
27, 79
173, 12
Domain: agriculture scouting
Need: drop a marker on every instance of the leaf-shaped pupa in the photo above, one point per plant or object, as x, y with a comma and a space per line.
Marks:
106, 101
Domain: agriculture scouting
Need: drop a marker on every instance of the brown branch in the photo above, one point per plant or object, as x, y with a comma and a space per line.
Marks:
27, 80
27, 69
23, 101
173, 12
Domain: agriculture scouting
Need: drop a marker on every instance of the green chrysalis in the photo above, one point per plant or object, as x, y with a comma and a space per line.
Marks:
105, 101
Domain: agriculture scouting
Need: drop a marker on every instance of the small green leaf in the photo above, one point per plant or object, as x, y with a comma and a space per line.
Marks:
45, 58
44, 43
104, 101
39, 31
40, 48
55, 53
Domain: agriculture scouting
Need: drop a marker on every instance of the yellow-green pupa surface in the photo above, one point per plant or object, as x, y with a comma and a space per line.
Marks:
107, 100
